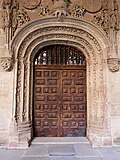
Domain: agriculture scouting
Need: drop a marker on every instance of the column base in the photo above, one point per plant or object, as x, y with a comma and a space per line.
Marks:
21, 137
99, 139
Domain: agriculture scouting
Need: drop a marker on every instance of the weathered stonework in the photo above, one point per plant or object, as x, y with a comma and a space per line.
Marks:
31, 25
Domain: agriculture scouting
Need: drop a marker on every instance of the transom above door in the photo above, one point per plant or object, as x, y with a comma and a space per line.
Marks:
59, 92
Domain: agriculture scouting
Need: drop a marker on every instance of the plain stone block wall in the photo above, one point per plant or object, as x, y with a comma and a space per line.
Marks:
115, 100
6, 101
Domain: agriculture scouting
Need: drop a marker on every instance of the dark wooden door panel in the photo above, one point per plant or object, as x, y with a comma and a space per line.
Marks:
73, 120
59, 101
46, 102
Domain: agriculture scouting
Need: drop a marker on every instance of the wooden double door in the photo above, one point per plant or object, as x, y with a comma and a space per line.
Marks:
59, 100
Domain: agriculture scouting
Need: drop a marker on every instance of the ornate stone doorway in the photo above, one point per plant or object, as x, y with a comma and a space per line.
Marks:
81, 35
59, 92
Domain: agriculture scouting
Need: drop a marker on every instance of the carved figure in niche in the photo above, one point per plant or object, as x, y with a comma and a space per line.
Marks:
78, 11
30, 4
60, 8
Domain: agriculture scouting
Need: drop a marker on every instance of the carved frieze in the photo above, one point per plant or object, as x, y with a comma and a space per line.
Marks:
104, 17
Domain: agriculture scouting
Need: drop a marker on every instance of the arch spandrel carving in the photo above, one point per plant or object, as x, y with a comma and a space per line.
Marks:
80, 26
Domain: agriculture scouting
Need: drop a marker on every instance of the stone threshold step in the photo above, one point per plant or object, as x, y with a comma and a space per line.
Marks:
59, 140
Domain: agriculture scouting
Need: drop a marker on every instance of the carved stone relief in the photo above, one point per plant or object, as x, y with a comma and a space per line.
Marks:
114, 19
78, 11
60, 8
113, 64
102, 20
7, 63
30, 4
13, 18
108, 17
42, 11
7, 13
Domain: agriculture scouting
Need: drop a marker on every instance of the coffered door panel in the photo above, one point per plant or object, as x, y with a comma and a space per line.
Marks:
46, 102
59, 101
73, 102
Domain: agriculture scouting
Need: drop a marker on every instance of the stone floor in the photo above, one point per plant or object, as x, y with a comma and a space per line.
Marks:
67, 150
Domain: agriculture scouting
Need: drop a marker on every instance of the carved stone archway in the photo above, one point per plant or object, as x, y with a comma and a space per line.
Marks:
79, 33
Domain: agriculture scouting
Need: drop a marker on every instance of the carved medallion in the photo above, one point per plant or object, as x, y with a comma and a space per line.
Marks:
30, 4
92, 5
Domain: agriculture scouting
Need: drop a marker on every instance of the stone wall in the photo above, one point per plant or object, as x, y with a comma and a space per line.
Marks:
6, 92
114, 101
114, 80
